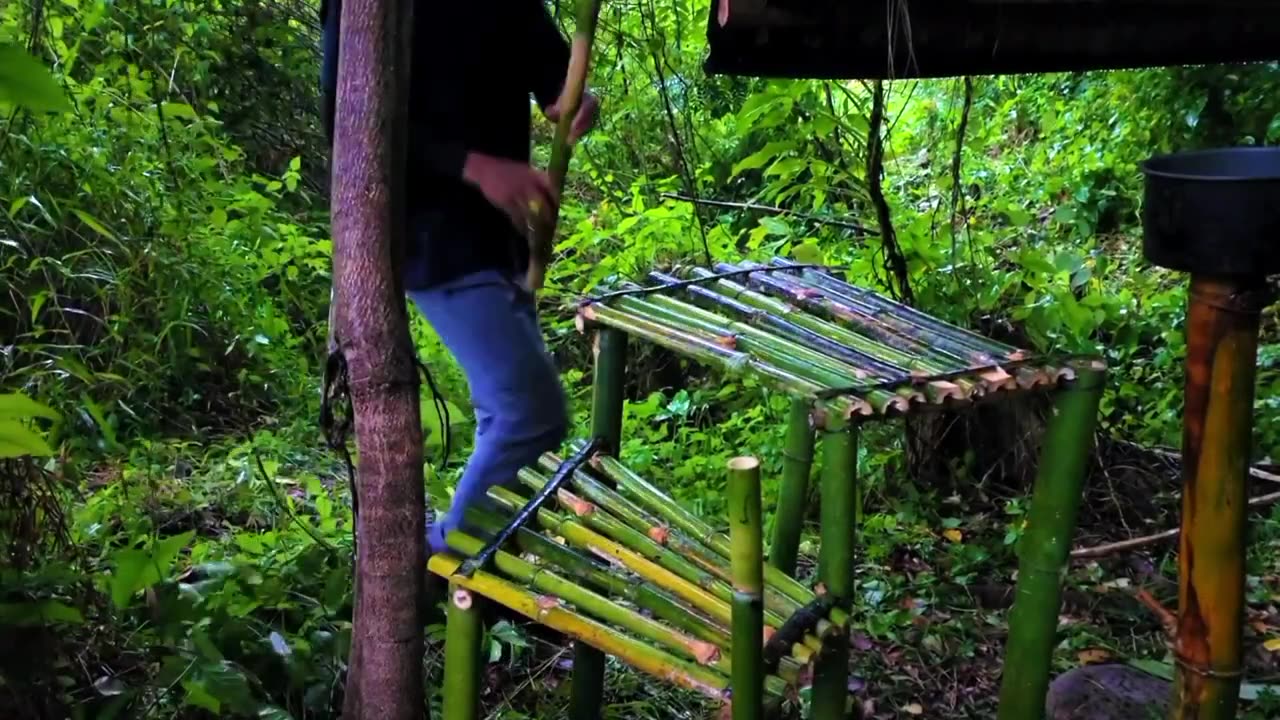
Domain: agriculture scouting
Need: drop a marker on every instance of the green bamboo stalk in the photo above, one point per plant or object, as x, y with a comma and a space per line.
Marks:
748, 338
835, 562
583, 537
903, 319
462, 665
601, 608
633, 652
745, 526
608, 383
761, 312
638, 519
644, 595
881, 326
544, 230
658, 503
646, 548
793, 497
607, 398
821, 336
1044, 548
820, 279
700, 347
788, 356
871, 347
600, 494
702, 556
634, 540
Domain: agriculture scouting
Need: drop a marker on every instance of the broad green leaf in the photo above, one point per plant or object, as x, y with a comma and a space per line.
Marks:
20, 407
17, 440
807, 252
199, 695
179, 110
26, 83
134, 570
32, 614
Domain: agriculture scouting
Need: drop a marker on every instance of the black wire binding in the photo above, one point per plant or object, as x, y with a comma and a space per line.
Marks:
562, 474
801, 623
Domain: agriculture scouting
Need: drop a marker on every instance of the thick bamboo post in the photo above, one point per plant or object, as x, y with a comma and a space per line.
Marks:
835, 561
462, 656
609, 380
1043, 552
793, 498
746, 535
607, 386
1222, 342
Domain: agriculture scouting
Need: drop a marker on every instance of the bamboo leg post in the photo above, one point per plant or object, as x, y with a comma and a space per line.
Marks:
747, 562
788, 519
1043, 552
587, 697
1222, 341
462, 656
835, 563
607, 386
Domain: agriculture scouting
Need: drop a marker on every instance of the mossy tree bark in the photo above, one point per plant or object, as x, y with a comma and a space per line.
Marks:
384, 678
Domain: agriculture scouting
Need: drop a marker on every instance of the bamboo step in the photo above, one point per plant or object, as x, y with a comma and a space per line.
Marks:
616, 564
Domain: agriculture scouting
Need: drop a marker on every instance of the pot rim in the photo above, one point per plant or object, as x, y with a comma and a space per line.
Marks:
1158, 166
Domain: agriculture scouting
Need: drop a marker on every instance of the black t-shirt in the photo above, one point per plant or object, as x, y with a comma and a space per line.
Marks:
474, 66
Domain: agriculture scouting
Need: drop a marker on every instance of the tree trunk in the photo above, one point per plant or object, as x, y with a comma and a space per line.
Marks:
384, 677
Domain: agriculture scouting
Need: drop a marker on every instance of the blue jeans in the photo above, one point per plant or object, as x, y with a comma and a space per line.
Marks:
490, 325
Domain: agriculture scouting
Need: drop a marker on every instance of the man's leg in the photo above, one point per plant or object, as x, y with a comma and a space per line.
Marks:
490, 326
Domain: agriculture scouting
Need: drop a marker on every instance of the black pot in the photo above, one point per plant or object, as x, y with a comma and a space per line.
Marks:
1214, 212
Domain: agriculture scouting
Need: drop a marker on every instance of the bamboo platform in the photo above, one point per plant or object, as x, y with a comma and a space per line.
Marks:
804, 332
615, 563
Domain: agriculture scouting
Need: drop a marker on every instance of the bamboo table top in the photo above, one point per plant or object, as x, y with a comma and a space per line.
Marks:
801, 330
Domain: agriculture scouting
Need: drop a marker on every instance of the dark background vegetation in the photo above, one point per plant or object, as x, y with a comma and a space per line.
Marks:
164, 260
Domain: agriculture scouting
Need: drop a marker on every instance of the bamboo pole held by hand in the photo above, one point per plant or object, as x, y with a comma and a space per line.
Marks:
540, 243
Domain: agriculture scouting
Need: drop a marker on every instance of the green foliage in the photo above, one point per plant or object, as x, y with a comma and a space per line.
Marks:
25, 83
164, 248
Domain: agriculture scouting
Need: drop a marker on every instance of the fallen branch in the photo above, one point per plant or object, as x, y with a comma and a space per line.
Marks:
1168, 619
1132, 543
772, 210
1254, 472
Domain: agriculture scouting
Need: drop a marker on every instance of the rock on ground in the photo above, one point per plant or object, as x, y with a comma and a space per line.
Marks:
1107, 692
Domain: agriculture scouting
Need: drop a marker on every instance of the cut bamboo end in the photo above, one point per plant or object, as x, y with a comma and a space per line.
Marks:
998, 379
897, 404
944, 391
1062, 374
858, 408
575, 504
704, 652
1029, 378
744, 463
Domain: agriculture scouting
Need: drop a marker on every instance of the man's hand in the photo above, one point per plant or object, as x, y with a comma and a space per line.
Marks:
588, 109
523, 193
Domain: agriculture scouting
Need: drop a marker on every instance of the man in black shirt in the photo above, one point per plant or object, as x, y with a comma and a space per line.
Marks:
470, 200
